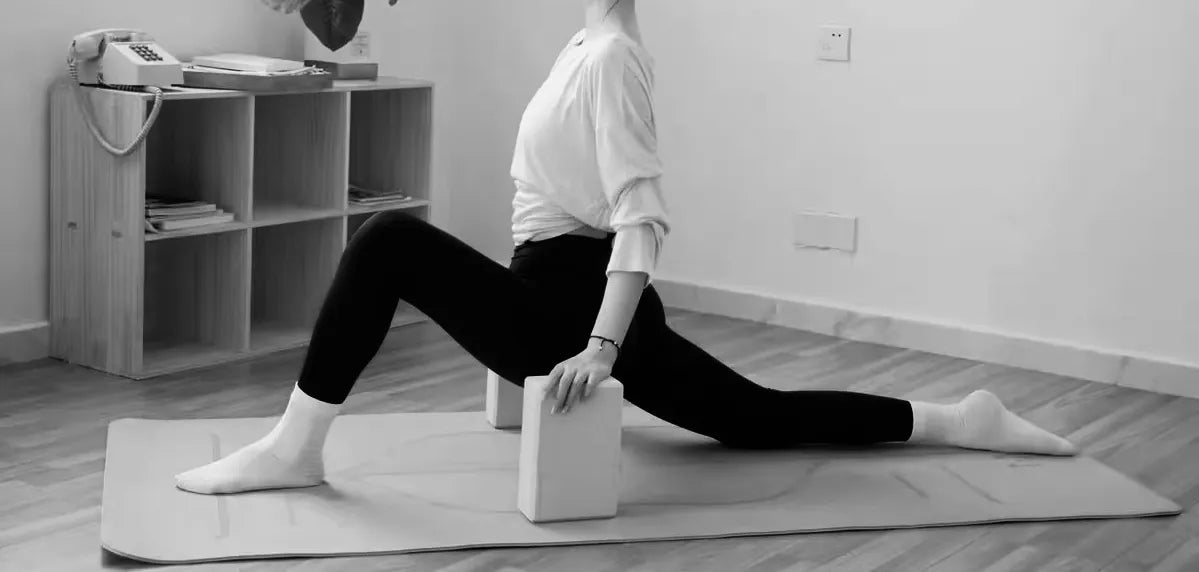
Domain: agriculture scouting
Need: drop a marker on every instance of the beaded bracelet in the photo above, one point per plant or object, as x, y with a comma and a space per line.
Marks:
613, 342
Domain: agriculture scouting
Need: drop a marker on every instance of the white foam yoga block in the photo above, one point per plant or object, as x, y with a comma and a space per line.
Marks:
504, 402
570, 464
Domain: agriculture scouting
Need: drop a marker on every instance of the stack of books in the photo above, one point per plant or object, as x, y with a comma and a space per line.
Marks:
371, 198
253, 73
250, 63
167, 214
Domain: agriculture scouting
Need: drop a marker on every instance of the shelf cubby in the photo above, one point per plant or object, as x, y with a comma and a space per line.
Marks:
140, 304
300, 156
292, 268
196, 300
200, 149
390, 140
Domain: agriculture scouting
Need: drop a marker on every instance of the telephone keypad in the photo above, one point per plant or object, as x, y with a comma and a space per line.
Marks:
146, 52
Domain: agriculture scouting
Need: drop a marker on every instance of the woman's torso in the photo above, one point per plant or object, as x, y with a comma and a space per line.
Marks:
554, 167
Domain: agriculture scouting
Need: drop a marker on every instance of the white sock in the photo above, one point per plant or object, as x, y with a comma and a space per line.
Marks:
980, 421
290, 456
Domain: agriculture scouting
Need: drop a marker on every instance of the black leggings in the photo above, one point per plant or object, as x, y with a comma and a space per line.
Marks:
524, 320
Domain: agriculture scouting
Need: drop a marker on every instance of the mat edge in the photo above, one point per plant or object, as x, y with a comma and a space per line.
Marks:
1154, 514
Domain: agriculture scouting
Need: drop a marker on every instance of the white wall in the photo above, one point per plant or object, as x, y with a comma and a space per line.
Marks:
1020, 167
35, 36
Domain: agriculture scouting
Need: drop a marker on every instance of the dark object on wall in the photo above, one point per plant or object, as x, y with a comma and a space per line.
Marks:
333, 22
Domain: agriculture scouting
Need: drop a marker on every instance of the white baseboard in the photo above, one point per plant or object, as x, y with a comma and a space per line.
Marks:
26, 342
1052, 357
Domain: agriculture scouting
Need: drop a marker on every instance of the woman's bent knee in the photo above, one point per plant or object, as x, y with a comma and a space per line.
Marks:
392, 220
390, 227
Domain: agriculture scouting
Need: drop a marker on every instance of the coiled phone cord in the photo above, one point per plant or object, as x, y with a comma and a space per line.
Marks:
91, 119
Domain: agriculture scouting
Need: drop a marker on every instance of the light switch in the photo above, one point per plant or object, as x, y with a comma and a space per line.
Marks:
833, 43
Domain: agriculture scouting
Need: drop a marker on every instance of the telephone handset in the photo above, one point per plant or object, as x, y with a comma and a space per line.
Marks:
121, 59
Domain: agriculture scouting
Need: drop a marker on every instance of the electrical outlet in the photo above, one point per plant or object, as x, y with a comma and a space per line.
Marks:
825, 231
833, 43
360, 46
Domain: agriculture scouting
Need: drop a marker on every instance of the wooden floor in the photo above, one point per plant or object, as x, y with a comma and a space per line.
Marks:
53, 419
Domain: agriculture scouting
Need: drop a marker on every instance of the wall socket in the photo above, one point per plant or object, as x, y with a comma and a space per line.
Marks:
825, 231
833, 43
359, 48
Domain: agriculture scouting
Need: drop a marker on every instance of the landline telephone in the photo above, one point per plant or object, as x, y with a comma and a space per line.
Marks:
121, 59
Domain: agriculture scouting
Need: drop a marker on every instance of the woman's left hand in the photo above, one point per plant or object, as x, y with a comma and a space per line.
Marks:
572, 380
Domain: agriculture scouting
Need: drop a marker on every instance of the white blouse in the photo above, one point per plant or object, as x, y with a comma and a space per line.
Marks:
586, 152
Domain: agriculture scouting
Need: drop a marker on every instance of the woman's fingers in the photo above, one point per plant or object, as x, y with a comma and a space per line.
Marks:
555, 378
564, 390
569, 386
576, 390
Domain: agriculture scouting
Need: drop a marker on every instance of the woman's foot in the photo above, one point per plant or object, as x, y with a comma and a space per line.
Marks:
980, 421
253, 467
290, 456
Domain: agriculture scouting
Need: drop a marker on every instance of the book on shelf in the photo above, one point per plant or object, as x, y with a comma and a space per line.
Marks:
166, 214
251, 63
180, 210
371, 197
219, 217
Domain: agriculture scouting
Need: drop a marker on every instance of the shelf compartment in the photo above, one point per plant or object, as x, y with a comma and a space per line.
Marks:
196, 300
293, 267
390, 140
202, 150
300, 154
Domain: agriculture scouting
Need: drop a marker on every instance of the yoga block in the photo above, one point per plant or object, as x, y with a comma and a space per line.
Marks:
504, 402
570, 464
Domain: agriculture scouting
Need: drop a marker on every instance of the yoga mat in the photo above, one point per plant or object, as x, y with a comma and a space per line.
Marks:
411, 482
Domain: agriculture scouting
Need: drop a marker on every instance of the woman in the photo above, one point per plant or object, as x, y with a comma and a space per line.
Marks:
588, 224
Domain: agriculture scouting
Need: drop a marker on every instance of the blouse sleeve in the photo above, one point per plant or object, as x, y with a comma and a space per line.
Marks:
630, 170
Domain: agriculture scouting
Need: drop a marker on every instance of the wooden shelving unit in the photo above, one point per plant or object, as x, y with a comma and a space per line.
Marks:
140, 305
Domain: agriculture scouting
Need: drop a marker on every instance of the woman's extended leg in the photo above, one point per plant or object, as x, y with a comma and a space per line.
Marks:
504, 321
677, 381
674, 379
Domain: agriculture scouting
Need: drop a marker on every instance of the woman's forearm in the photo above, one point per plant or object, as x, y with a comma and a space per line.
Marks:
620, 303
634, 254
